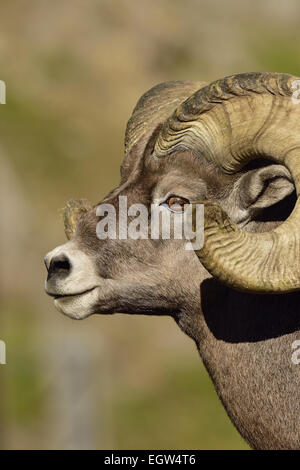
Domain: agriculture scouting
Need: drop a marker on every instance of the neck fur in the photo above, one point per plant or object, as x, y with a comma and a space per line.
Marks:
245, 342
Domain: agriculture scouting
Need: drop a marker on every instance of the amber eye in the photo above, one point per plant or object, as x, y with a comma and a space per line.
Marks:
176, 203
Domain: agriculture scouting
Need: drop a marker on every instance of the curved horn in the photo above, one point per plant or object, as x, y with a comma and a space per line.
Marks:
152, 109
155, 106
230, 122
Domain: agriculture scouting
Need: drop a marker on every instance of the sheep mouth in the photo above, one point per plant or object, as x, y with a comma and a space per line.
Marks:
66, 296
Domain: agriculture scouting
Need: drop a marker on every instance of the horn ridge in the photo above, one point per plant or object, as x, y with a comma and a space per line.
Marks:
218, 92
230, 122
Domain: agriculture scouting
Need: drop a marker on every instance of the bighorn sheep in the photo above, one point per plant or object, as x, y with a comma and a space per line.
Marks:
234, 145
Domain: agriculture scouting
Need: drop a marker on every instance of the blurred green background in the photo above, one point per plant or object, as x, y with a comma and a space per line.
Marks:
74, 70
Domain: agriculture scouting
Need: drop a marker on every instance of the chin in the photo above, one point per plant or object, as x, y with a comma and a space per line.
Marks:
79, 306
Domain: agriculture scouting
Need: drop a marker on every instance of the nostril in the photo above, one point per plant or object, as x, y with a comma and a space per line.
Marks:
59, 265
63, 265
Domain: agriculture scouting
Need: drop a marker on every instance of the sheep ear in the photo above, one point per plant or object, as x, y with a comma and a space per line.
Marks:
262, 188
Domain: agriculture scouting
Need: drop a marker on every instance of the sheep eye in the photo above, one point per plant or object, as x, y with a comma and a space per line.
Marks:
176, 203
